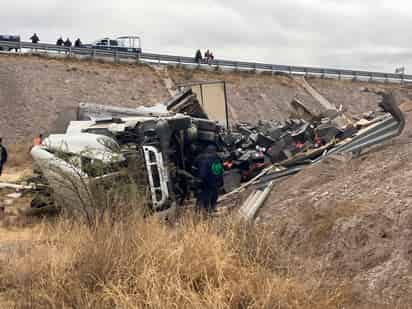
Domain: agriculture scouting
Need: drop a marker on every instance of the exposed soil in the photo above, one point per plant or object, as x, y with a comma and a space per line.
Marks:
39, 94
355, 216
355, 96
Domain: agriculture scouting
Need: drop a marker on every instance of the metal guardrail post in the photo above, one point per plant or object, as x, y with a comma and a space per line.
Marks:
339, 75
323, 74
137, 57
355, 76
116, 56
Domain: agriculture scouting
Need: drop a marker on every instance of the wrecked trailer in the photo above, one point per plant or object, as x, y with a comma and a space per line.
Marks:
166, 139
166, 145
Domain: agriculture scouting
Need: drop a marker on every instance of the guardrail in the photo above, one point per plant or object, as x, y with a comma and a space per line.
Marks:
236, 65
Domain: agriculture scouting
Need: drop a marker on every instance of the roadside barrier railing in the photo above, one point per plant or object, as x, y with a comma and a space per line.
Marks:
118, 56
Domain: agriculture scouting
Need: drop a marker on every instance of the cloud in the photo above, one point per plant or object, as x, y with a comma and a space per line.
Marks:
351, 34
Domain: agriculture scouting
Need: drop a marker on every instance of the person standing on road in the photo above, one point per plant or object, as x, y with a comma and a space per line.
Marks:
68, 43
3, 155
198, 56
78, 43
34, 38
209, 170
60, 42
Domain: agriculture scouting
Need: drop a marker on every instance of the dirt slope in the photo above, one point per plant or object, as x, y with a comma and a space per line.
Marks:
35, 92
355, 218
39, 94
352, 95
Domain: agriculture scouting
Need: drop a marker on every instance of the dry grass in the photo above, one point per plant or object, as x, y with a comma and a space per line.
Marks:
137, 262
18, 166
144, 263
18, 155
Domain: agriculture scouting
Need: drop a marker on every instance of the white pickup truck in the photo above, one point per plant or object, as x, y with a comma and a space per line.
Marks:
122, 43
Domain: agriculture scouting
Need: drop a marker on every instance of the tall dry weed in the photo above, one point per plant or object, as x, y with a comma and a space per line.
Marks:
18, 155
144, 263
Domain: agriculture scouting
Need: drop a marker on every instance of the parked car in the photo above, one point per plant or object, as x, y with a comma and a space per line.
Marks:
9, 38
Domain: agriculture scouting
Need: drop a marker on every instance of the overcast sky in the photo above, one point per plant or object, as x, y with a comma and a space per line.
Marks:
359, 34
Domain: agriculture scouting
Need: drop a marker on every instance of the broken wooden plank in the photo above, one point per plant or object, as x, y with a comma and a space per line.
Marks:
342, 121
6, 185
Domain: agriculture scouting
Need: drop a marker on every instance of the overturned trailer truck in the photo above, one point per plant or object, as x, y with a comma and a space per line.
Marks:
158, 146
105, 141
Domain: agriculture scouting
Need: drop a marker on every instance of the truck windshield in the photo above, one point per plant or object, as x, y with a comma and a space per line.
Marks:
95, 168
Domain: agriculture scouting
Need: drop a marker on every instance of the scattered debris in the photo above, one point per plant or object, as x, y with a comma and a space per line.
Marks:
301, 110
339, 118
15, 195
